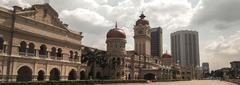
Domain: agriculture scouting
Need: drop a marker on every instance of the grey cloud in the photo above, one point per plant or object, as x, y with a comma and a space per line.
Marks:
223, 50
220, 10
94, 35
159, 12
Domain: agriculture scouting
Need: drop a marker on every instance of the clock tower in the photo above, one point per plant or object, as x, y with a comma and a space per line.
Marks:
142, 36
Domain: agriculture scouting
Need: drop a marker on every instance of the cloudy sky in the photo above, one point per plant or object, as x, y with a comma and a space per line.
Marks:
217, 21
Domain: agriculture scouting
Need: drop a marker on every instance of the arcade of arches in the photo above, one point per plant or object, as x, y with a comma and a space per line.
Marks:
25, 73
150, 76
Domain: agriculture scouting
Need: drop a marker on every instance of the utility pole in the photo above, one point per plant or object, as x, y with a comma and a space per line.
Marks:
11, 43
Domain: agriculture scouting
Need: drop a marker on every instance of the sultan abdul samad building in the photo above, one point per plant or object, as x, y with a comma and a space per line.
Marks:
36, 45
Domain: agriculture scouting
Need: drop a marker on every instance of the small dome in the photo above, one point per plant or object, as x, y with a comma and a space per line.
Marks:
116, 33
166, 55
142, 20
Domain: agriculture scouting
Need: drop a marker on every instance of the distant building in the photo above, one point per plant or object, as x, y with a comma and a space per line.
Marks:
185, 50
166, 59
205, 70
235, 66
185, 47
156, 42
205, 67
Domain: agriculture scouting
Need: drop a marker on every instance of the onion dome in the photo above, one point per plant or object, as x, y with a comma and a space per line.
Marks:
116, 33
166, 55
142, 20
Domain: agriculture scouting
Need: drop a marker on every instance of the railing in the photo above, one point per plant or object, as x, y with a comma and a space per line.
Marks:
25, 54
56, 58
22, 53
71, 59
43, 56
31, 54
74, 59
59, 58
53, 57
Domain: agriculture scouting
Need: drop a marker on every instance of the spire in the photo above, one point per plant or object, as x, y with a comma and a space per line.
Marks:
142, 16
116, 25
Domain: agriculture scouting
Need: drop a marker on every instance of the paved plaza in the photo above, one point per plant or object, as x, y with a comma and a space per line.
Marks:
193, 82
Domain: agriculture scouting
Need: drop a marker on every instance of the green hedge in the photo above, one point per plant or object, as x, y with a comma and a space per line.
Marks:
75, 82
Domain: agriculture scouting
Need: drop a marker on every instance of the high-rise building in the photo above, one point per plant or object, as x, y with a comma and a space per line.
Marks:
156, 42
185, 48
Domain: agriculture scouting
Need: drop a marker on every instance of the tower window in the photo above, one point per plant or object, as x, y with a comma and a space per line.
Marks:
1, 43
71, 54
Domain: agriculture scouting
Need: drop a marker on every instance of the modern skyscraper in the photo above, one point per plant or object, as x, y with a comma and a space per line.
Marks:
156, 42
185, 48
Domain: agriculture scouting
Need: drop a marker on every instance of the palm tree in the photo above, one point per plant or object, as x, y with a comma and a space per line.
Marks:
92, 57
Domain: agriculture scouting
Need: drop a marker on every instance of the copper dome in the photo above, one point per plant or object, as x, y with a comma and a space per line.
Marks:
142, 20
166, 55
116, 33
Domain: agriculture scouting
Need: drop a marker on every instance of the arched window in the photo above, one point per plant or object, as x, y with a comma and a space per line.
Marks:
24, 74
129, 77
41, 75
72, 75
31, 49
54, 74
22, 48
43, 50
118, 74
98, 75
1, 43
82, 75
53, 51
76, 55
113, 60
113, 63
71, 54
118, 61
59, 53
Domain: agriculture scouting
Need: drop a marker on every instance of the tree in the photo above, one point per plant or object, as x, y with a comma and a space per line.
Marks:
92, 57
